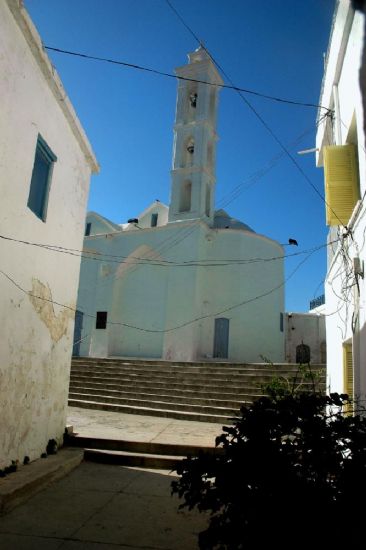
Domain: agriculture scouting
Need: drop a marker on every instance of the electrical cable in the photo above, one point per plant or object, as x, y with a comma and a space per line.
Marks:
170, 75
260, 118
164, 263
141, 329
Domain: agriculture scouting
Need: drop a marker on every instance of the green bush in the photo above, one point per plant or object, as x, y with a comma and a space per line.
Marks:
291, 471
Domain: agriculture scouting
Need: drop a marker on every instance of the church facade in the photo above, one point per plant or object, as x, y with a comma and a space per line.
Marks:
183, 282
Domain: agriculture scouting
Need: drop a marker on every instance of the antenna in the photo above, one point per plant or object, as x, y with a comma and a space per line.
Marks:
306, 151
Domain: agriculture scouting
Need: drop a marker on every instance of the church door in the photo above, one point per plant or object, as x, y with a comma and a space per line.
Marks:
77, 332
221, 338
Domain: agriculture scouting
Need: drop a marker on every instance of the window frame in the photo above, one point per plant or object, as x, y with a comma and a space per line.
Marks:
154, 219
101, 320
88, 226
43, 153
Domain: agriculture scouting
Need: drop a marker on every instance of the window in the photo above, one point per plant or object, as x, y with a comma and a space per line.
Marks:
188, 152
281, 322
185, 197
154, 220
41, 179
341, 183
101, 321
88, 229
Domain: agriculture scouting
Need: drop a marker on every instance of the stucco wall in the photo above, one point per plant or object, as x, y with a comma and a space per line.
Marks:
344, 291
35, 346
308, 329
165, 297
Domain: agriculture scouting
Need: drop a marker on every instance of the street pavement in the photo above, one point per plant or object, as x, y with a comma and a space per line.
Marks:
105, 507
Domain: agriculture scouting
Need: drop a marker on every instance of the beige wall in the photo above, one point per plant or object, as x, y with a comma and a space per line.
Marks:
36, 340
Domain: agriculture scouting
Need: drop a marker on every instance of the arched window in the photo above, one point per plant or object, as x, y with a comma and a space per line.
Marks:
191, 102
185, 196
188, 152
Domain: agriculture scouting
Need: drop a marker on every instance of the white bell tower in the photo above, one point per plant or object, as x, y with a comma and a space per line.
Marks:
193, 173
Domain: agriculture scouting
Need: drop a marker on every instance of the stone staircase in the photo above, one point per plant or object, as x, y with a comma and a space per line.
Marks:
207, 392
141, 454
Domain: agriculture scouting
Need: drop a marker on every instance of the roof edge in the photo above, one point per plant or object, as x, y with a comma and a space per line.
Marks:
52, 78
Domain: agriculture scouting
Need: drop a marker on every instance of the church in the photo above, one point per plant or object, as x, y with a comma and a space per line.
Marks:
183, 282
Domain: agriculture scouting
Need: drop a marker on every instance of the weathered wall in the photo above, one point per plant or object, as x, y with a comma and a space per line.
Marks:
308, 329
35, 347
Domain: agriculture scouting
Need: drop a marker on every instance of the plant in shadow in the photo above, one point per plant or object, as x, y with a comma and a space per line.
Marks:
288, 472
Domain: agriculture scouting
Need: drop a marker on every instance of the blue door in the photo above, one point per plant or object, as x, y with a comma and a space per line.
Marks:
78, 328
221, 338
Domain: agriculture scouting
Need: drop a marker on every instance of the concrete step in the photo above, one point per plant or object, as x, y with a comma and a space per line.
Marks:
174, 369
136, 460
176, 393
158, 404
186, 384
209, 364
28, 480
209, 383
136, 453
185, 398
146, 447
209, 392
164, 412
227, 373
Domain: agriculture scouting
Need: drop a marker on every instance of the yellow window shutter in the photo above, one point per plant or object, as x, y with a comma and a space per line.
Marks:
341, 183
348, 369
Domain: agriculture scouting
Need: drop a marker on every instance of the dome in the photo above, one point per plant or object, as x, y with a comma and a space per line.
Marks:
222, 220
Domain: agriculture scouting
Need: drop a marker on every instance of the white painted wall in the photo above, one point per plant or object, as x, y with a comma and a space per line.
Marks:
308, 329
160, 298
35, 346
345, 306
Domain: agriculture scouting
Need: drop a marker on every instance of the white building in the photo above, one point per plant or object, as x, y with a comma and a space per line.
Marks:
45, 167
341, 150
180, 282
305, 339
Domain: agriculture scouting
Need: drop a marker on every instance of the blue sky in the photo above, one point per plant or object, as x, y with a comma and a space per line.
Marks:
274, 47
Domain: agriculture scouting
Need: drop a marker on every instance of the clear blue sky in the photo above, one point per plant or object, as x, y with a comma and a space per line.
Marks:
274, 47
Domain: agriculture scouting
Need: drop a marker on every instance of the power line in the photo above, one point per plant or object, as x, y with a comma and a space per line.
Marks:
235, 192
260, 118
185, 232
170, 75
256, 176
200, 318
110, 258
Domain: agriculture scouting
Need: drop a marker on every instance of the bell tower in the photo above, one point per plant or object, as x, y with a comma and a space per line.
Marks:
194, 151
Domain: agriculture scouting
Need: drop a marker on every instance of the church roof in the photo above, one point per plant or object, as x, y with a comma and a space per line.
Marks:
223, 220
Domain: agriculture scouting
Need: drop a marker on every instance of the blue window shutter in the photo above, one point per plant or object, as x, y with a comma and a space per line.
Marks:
41, 176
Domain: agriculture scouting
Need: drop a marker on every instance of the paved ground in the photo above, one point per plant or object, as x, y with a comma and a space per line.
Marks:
114, 425
101, 507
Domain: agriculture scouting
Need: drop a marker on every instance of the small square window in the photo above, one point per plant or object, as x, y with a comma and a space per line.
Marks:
88, 229
154, 220
101, 321
41, 179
